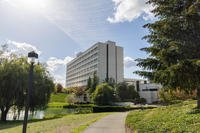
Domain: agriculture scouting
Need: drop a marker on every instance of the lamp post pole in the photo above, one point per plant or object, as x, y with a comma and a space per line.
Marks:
29, 91
32, 55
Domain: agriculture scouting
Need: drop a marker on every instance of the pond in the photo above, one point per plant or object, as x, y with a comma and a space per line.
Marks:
47, 113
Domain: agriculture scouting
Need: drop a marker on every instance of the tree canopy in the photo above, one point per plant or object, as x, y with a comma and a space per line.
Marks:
174, 57
103, 95
14, 83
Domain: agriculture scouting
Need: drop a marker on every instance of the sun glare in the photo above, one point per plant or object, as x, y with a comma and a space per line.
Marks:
34, 5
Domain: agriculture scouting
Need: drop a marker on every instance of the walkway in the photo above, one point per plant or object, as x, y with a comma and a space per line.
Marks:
114, 123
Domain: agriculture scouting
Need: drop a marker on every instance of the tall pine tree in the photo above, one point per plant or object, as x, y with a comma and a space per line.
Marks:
174, 53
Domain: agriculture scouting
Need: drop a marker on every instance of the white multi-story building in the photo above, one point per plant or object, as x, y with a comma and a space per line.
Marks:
104, 59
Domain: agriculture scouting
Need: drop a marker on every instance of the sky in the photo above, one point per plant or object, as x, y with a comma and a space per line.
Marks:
58, 29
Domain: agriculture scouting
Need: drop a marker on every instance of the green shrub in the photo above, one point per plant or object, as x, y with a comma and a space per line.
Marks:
71, 99
169, 96
103, 95
126, 92
78, 106
97, 109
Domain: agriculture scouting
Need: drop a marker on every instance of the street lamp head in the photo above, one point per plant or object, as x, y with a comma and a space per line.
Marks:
32, 56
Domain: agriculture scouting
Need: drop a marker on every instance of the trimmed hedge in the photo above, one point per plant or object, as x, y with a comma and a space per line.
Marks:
97, 109
78, 106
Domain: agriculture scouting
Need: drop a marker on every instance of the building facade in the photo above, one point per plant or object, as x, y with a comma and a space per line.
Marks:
146, 90
104, 59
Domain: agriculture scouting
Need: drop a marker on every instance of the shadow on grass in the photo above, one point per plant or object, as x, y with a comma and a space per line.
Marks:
11, 124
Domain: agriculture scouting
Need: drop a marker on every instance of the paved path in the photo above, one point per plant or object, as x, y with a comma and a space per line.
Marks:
114, 123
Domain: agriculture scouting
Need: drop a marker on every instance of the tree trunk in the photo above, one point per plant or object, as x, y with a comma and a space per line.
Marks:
198, 98
4, 113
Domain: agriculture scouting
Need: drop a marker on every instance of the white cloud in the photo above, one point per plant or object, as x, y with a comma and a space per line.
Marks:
57, 68
128, 10
54, 63
19, 48
129, 62
22, 47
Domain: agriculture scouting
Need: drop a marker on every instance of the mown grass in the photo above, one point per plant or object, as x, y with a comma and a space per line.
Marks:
66, 124
178, 118
58, 97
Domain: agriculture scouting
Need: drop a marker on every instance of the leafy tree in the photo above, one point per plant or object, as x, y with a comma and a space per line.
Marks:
78, 91
133, 94
103, 95
174, 57
59, 88
122, 91
126, 92
43, 86
14, 83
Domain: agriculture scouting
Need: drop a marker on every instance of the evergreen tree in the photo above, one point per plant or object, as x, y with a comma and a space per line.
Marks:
174, 57
95, 82
89, 83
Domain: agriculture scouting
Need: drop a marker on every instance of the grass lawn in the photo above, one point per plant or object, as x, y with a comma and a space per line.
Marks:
59, 97
65, 124
182, 117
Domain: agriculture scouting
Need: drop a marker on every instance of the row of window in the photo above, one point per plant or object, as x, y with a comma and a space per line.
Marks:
81, 77
82, 71
84, 57
83, 66
81, 63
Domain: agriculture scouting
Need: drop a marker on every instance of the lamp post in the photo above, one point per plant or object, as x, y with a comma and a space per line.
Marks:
32, 56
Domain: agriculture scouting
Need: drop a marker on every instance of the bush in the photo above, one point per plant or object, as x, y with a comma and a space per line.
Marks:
97, 109
103, 95
126, 92
71, 99
78, 106
168, 96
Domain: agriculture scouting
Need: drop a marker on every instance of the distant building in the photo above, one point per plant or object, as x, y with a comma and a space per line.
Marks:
104, 59
146, 90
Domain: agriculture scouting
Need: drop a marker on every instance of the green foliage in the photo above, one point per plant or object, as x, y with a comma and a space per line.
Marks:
97, 109
175, 37
111, 82
177, 118
103, 95
94, 83
42, 88
14, 83
126, 92
169, 96
71, 99
89, 83
59, 88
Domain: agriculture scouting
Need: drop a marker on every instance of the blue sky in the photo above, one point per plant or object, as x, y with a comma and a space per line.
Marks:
58, 29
